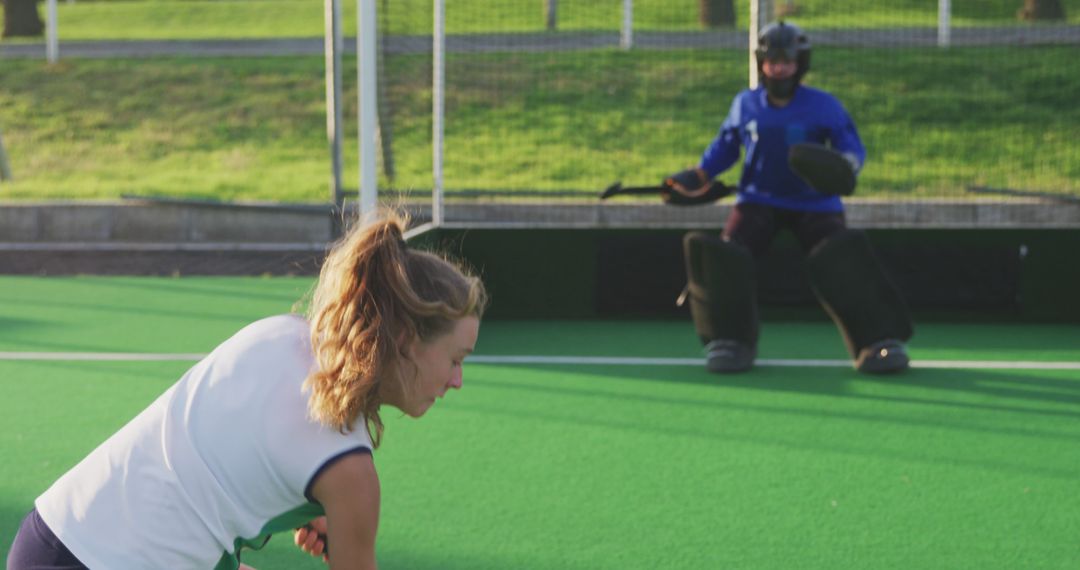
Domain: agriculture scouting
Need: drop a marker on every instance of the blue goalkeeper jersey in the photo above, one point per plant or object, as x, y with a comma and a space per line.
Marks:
767, 132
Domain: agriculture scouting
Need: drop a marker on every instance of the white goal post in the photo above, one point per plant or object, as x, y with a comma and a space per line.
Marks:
761, 12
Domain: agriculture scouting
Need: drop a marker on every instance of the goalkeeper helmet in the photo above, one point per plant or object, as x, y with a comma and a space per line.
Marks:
783, 41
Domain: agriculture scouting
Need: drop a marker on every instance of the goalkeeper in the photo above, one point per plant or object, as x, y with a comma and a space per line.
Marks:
802, 153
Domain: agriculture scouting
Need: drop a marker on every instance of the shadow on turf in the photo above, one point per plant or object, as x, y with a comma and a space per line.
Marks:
715, 431
1008, 391
14, 327
989, 339
184, 311
814, 412
389, 558
198, 287
17, 343
193, 291
1001, 386
138, 370
11, 517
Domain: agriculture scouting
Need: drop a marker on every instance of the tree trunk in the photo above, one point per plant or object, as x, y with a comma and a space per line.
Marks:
789, 8
5, 168
1041, 10
21, 18
716, 13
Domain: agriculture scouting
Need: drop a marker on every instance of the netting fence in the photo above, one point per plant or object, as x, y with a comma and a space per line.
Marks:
966, 110
966, 107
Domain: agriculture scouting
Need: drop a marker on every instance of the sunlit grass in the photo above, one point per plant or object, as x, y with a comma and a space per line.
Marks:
934, 121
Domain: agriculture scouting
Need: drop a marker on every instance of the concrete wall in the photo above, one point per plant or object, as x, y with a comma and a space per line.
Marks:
965, 275
137, 222
556, 260
194, 222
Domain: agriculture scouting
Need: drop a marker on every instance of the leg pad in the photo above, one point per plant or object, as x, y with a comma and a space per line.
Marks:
854, 289
722, 289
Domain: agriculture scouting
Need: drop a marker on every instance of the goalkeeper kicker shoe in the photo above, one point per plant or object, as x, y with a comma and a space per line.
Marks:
724, 356
882, 357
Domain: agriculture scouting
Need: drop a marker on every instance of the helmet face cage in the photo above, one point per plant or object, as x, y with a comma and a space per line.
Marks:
787, 41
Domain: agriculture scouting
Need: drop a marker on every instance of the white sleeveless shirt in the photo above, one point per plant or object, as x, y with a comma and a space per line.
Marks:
221, 458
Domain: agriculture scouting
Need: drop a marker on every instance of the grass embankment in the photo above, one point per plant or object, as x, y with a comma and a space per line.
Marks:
934, 121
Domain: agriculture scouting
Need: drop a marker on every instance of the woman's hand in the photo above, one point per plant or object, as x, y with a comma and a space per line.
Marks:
311, 538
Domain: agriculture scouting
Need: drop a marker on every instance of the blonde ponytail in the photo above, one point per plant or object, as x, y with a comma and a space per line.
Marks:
373, 293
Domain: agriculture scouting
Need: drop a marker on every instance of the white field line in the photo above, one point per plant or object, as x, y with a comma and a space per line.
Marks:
780, 362
100, 356
573, 360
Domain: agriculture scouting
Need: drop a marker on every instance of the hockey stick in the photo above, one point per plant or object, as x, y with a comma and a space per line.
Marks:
1064, 198
706, 195
617, 189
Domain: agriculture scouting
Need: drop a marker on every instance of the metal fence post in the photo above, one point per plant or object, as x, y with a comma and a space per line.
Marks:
52, 38
626, 37
368, 115
944, 22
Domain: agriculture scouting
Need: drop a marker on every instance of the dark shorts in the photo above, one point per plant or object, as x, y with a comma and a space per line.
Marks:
755, 225
37, 548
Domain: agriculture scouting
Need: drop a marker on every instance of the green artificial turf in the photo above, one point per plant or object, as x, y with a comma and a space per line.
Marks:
137, 314
615, 466
620, 467
194, 314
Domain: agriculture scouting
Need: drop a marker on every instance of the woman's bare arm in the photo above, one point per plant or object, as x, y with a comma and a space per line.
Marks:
348, 490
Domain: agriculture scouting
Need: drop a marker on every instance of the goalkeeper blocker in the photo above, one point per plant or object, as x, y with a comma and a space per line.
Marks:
824, 169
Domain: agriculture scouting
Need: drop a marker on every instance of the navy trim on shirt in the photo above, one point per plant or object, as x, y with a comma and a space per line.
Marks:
37, 546
328, 463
